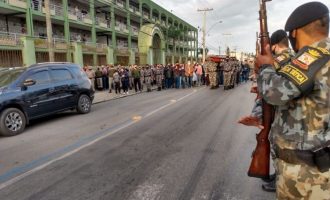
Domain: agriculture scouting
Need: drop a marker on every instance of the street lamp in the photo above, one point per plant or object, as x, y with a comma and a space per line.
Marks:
205, 33
219, 22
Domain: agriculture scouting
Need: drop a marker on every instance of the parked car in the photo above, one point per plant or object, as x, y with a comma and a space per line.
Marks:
40, 90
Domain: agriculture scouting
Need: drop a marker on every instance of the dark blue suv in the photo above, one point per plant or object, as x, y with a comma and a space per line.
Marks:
40, 90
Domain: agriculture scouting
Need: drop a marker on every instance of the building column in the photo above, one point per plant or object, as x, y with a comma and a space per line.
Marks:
196, 44
29, 19
92, 12
78, 54
163, 56
110, 56
28, 52
67, 29
141, 18
131, 57
150, 57
129, 31
114, 38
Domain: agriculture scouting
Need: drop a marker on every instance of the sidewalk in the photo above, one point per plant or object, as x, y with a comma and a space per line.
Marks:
102, 96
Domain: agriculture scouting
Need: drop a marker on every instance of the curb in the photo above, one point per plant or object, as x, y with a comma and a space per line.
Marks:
121, 97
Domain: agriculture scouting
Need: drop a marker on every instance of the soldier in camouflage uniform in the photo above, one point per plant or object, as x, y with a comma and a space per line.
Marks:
148, 77
159, 73
227, 68
300, 91
211, 70
233, 73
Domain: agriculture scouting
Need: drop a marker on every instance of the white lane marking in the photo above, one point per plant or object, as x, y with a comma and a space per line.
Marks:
22, 176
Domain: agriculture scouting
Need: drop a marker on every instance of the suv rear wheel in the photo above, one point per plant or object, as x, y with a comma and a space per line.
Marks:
12, 122
84, 104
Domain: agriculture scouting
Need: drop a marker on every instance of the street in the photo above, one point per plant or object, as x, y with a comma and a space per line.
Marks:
169, 145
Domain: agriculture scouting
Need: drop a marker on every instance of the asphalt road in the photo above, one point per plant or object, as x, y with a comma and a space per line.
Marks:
169, 145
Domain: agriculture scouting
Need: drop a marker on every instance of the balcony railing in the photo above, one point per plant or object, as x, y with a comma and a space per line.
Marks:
73, 15
102, 22
87, 19
146, 15
134, 10
59, 43
101, 48
120, 3
89, 46
77, 15
10, 39
16, 3
135, 49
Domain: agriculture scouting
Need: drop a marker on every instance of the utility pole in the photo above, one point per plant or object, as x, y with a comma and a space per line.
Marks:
219, 50
204, 29
49, 32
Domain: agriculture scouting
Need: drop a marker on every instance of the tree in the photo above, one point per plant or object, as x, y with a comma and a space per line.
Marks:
49, 32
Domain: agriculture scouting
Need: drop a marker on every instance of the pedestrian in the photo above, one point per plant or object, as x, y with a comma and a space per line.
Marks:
99, 80
111, 71
116, 80
105, 78
300, 91
91, 75
199, 73
136, 79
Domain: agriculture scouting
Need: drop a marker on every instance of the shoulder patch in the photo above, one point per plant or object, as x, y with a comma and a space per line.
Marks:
297, 75
323, 50
305, 60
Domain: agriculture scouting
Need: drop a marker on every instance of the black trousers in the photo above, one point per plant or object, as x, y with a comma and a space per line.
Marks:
137, 84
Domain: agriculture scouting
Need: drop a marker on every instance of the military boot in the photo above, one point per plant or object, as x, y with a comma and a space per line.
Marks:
269, 187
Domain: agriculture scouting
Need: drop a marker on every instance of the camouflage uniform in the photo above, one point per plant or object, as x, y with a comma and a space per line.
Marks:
148, 78
301, 123
233, 73
159, 77
142, 77
211, 70
227, 68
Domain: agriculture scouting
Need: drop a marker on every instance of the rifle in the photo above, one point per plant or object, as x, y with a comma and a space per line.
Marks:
257, 45
260, 163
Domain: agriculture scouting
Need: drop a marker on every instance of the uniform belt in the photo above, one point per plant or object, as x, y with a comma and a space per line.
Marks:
295, 157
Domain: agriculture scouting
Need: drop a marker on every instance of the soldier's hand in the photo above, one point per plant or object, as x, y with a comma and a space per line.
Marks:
266, 59
251, 121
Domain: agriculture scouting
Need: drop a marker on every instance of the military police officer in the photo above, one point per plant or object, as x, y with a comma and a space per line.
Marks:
226, 73
148, 77
300, 90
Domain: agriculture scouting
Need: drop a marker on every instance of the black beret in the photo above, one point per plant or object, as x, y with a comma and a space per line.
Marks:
277, 37
306, 14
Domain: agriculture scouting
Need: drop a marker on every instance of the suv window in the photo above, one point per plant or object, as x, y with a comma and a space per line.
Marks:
41, 77
78, 72
8, 76
61, 75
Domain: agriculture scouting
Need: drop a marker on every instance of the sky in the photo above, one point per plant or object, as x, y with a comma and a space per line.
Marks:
239, 19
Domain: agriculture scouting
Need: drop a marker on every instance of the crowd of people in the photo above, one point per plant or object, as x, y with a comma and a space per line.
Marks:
122, 79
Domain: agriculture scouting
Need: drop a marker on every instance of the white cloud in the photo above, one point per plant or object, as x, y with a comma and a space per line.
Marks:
240, 19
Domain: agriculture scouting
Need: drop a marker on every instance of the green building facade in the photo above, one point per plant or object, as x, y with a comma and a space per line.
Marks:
94, 32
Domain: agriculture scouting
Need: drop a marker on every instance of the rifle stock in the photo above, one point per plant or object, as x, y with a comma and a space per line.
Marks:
260, 163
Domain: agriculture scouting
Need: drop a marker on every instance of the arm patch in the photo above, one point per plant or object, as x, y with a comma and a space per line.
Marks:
304, 66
